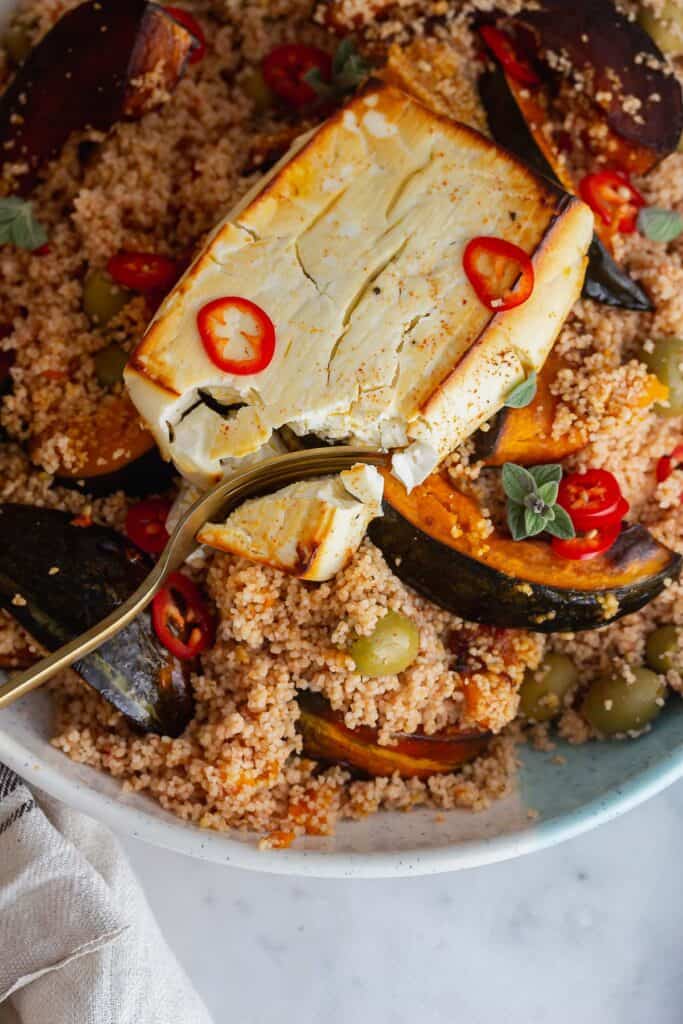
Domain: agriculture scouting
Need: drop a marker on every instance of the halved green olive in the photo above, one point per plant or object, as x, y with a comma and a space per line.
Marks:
109, 364
390, 648
613, 705
258, 91
102, 297
665, 361
17, 40
544, 689
665, 27
663, 649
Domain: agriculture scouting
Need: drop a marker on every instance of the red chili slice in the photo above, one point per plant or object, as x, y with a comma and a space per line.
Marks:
488, 262
143, 271
592, 499
259, 334
181, 619
589, 545
668, 463
193, 26
284, 69
613, 198
503, 49
146, 524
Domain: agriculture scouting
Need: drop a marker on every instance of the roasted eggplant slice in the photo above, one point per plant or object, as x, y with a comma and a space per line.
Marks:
605, 281
91, 69
97, 569
435, 540
415, 756
620, 68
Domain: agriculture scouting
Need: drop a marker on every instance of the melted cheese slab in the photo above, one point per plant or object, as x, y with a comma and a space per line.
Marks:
353, 246
309, 529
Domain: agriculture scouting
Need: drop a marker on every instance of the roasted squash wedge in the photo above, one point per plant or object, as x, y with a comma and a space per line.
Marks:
416, 756
435, 540
525, 436
113, 451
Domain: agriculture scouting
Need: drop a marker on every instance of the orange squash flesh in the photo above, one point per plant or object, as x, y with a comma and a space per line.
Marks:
525, 435
326, 738
435, 539
103, 443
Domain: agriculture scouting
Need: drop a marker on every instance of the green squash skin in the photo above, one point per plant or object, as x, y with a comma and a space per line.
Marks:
99, 569
605, 281
476, 592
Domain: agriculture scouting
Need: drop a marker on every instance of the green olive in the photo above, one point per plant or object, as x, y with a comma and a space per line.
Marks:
662, 649
258, 91
666, 27
102, 297
390, 648
18, 41
544, 689
614, 705
109, 364
666, 361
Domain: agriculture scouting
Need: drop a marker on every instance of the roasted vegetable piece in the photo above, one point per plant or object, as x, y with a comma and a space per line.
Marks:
605, 282
525, 435
665, 27
93, 68
98, 569
435, 539
115, 452
616, 60
416, 756
615, 704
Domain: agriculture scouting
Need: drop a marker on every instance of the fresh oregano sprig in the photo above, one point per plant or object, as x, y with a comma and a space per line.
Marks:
349, 69
532, 502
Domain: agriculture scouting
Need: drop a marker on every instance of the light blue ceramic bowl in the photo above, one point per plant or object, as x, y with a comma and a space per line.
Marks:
551, 802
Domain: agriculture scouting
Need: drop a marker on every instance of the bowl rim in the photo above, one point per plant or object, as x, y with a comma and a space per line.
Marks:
222, 849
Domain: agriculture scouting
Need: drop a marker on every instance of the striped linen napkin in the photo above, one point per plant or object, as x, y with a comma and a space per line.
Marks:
78, 942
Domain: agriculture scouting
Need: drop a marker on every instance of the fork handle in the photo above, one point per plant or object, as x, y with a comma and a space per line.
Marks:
21, 683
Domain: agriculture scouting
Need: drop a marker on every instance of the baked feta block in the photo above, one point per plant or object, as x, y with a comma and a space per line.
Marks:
310, 529
353, 248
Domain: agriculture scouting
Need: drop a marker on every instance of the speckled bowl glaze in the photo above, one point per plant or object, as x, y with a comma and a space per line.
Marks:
551, 801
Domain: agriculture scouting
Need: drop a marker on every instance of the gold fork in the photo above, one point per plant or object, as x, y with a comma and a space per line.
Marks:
265, 476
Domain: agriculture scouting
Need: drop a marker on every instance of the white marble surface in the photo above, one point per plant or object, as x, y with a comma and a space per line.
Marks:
589, 932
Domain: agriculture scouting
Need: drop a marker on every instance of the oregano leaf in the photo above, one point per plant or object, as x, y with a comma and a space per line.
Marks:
549, 473
516, 521
658, 224
561, 526
524, 393
548, 491
533, 522
517, 482
18, 225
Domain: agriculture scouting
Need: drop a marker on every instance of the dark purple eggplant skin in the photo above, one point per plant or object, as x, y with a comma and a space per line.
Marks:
605, 281
605, 47
98, 570
87, 72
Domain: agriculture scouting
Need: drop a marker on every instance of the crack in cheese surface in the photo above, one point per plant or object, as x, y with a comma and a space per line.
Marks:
353, 246
309, 529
